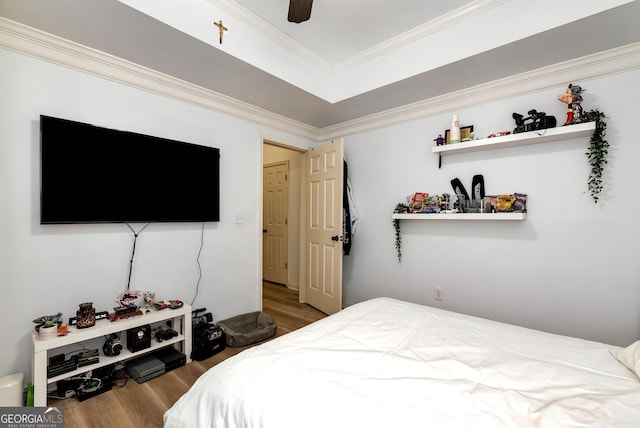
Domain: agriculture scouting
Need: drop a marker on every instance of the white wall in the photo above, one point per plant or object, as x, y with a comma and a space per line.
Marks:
571, 267
52, 268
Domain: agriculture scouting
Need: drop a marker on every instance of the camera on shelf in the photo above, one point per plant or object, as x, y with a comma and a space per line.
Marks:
112, 346
538, 120
208, 338
200, 318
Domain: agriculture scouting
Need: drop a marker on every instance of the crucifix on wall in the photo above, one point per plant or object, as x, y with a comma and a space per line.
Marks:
221, 28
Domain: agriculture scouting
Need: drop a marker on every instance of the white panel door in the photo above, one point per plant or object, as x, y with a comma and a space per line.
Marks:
323, 246
275, 236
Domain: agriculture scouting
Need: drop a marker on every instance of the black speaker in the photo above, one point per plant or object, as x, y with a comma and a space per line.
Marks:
139, 338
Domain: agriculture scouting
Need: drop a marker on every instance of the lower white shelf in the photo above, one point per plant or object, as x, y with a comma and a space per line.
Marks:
462, 216
94, 337
124, 355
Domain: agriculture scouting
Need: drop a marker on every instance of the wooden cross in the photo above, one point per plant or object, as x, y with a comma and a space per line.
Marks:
221, 27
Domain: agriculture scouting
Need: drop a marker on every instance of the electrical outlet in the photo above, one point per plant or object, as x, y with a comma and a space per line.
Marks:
438, 293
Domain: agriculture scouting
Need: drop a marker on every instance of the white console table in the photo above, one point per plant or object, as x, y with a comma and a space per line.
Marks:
94, 337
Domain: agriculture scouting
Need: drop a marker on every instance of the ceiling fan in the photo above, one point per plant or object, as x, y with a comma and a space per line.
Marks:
299, 10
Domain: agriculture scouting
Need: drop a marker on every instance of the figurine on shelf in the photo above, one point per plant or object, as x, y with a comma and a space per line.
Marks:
48, 321
439, 141
572, 96
444, 201
149, 298
130, 299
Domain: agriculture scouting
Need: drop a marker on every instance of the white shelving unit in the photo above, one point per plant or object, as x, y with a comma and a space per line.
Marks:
94, 337
462, 216
512, 140
521, 139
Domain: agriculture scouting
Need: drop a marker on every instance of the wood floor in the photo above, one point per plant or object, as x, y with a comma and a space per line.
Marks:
142, 405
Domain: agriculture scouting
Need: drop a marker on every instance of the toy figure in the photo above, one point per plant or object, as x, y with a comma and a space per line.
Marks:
128, 299
572, 96
149, 298
439, 141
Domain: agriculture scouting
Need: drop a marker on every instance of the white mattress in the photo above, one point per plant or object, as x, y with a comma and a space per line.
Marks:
388, 363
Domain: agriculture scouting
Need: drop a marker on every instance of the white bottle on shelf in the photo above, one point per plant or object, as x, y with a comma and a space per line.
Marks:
454, 135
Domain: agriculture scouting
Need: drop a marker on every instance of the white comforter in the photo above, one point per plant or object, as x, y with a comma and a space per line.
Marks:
388, 363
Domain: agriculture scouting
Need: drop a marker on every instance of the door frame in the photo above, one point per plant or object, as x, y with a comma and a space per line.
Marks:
304, 152
293, 223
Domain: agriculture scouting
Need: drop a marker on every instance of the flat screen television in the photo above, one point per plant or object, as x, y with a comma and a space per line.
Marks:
91, 174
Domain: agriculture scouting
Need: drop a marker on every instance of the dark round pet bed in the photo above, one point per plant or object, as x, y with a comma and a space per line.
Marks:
247, 329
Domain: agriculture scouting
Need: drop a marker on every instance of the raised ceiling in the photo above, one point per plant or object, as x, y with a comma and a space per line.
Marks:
339, 30
351, 60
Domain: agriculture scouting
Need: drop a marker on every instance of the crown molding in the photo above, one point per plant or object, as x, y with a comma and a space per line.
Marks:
442, 22
258, 24
613, 61
32, 42
38, 44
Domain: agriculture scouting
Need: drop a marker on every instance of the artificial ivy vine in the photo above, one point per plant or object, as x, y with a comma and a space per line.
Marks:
597, 152
400, 208
396, 225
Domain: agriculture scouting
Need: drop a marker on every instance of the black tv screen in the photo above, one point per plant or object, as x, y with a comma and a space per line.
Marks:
91, 174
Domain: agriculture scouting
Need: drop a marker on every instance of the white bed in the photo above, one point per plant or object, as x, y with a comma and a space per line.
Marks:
389, 363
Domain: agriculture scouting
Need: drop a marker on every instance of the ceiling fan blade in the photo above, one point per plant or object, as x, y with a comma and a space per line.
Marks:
299, 10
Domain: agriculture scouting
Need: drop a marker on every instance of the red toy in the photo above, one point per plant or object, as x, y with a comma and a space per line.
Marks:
572, 96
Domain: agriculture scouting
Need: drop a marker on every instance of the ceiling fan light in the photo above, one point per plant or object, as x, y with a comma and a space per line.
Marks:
299, 10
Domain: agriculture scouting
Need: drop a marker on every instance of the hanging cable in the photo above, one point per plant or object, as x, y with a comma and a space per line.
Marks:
198, 263
133, 252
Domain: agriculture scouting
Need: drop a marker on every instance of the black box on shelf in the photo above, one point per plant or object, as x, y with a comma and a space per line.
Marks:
139, 338
143, 368
59, 367
101, 380
171, 357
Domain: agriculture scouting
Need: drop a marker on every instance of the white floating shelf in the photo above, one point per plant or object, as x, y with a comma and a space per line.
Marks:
461, 216
532, 137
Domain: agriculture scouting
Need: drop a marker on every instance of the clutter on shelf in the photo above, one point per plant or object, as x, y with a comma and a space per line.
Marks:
456, 133
537, 123
477, 202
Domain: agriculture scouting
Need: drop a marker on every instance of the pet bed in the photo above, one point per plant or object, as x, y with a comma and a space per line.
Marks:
246, 329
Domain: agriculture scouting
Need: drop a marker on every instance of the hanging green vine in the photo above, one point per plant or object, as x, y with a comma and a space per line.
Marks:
396, 225
400, 208
597, 152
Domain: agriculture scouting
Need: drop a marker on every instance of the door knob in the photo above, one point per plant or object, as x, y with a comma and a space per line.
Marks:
335, 238
264, 230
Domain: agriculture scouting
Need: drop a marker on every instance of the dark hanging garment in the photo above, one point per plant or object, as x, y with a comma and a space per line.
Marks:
349, 213
346, 215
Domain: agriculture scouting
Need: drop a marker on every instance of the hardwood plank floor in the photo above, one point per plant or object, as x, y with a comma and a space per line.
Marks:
142, 405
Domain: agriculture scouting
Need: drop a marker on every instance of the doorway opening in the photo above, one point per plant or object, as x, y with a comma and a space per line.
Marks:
314, 220
281, 214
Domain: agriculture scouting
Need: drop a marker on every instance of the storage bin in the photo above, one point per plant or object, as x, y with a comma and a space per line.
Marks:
12, 390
